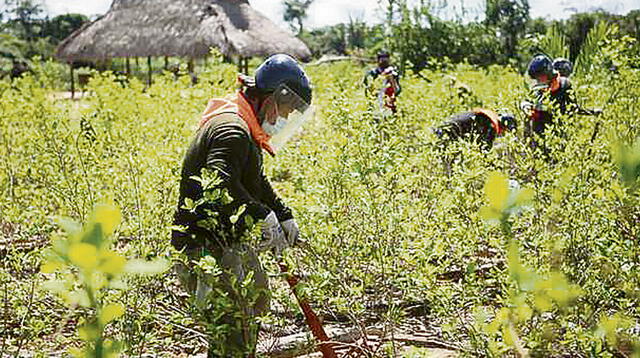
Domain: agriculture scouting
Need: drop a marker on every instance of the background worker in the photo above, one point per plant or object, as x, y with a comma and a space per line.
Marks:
479, 125
226, 157
553, 94
387, 93
563, 66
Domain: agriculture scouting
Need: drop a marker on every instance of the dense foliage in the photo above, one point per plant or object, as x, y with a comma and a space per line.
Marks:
400, 230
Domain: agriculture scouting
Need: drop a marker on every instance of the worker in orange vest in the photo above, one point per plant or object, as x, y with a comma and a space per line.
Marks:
553, 94
479, 125
224, 192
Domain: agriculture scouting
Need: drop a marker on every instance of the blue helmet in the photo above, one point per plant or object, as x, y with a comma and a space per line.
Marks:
383, 53
540, 65
563, 66
280, 70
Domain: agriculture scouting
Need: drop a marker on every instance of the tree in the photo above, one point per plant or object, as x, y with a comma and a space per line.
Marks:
296, 10
510, 17
24, 22
61, 26
23, 17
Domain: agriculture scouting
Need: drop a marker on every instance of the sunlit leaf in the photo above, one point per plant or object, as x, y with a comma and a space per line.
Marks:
524, 197
78, 297
83, 255
490, 213
55, 286
88, 332
497, 190
51, 266
142, 267
107, 215
111, 312
542, 303
111, 262
72, 228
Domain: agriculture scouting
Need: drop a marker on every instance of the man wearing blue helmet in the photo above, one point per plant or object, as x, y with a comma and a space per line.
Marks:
552, 92
224, 192
563, 66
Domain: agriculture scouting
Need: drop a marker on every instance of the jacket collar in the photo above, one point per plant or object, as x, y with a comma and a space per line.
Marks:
241, 106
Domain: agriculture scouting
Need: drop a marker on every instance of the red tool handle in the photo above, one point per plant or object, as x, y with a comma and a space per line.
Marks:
310, 316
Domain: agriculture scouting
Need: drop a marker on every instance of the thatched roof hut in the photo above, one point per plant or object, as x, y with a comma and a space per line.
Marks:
180, 28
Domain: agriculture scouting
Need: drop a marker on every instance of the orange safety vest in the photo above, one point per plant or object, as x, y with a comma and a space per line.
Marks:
557, 83
493, 117
240, 106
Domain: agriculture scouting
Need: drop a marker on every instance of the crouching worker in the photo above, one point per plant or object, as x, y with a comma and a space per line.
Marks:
223, 192
480, 125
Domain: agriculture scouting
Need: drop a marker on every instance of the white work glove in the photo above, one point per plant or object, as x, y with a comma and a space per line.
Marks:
273, 236
526, 106
291, 231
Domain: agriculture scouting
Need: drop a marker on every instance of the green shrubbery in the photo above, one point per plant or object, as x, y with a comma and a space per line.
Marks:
395, 224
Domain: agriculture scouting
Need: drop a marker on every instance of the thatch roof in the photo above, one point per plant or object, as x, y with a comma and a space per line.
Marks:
181, 28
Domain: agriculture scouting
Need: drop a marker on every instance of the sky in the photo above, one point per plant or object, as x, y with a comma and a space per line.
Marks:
330, 12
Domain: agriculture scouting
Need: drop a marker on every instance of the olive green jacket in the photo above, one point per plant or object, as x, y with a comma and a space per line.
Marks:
224, 145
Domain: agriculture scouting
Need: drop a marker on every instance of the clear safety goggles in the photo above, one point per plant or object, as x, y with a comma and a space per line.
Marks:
293, 112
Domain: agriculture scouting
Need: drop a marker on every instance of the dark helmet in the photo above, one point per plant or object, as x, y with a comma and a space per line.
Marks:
540, 65
280, 70
563, 66
508, 121
383, 53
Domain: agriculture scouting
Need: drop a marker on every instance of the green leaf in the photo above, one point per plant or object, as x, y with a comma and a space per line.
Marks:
83, 255
628, 159
496, 189
146, 268
55, 286
108, 216
234, 218
93, 234
71, 227
189, 204
111, 263
110, 312
524, 197
490, 213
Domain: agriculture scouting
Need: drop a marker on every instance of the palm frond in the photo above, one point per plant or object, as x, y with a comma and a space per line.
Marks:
591, 49
554, 43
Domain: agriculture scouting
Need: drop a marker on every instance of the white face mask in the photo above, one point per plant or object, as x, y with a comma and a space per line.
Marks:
273, 129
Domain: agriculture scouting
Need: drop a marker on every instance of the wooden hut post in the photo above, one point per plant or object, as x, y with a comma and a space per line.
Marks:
191, 68
191, 65
149, 65
73, 83
128, 66
166, 63
243, 65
